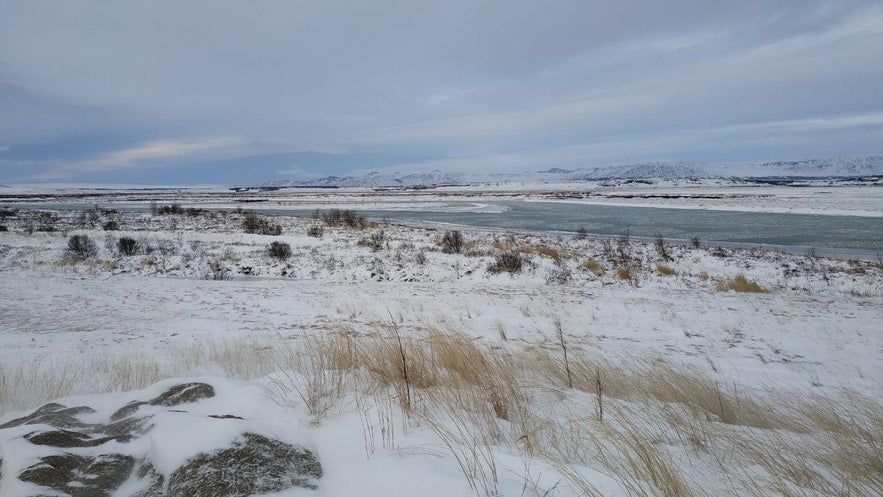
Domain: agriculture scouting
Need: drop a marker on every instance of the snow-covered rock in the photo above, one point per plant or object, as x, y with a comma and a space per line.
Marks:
172, 439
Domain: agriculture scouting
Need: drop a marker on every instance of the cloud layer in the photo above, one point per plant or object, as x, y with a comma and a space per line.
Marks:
114, 91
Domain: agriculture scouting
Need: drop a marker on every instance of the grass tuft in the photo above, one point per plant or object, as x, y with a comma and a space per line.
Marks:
739, 284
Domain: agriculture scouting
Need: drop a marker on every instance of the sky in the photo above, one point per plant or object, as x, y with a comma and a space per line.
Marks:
232, 92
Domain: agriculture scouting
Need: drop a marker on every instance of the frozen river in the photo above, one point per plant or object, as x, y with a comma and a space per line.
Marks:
835, 235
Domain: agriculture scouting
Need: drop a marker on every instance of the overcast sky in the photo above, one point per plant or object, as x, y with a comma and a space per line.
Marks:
233, 92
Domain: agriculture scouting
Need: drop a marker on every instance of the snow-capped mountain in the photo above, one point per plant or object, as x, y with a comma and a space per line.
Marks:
856, 167
653, 170
667, 171
376, 179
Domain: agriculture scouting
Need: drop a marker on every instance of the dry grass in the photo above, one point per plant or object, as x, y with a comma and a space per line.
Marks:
593, 266
552, 253
666, 430
665, 270
739, 284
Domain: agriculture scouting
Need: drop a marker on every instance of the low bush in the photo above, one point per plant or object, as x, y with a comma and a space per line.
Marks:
739, 284
279, 250
581, 233
170, 209
257, 225
110, 226
661, 249
507, 262
81, 247
695, 242
347, 218
559, 275
127, 246
375, 241
452, 242
216, 271
315, 231
3, 227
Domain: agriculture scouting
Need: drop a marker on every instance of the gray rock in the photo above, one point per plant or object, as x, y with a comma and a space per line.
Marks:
69, 439
52, 414
184, 394
253, 465
80, 476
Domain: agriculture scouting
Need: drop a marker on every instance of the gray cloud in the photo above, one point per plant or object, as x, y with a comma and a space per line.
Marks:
453, 79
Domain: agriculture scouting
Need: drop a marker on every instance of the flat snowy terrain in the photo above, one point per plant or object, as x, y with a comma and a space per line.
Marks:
199, 297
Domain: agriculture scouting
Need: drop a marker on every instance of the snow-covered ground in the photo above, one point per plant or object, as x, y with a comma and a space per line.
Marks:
70, 326
820, 197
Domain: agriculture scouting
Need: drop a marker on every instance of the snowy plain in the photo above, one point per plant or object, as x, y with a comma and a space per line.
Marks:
72, 324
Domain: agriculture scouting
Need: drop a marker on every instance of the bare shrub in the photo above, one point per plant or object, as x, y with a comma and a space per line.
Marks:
624, 248
3, 228
110, 226
279, 250
581, 233
507, 262
127, 246
559, 275
375, 241
420, 258
217, 271
351, 219
739, 284
661, 249
346, 218
315, 231
167, 210
695, 242
452, 242
258, 225
46, 222
80, 247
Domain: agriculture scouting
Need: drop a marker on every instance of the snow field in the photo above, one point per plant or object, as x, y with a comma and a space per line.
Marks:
702, 391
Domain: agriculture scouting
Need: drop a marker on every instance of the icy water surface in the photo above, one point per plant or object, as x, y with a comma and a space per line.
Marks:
848, 236
859, 235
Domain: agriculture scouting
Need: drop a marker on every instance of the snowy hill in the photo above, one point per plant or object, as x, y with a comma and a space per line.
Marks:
668, 171
856, 167
376, 179
655, 170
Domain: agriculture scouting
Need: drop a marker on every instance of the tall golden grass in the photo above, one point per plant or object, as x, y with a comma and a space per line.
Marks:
739, 283
666, 429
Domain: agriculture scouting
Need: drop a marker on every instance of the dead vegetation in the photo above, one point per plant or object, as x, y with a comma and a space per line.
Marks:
739, 283
653, 427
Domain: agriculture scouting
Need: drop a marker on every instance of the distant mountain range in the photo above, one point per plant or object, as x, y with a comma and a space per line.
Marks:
810, 168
